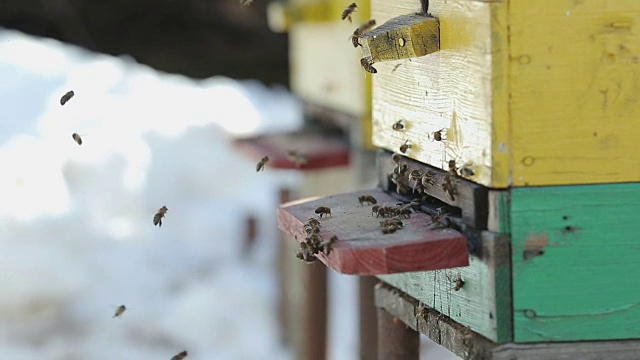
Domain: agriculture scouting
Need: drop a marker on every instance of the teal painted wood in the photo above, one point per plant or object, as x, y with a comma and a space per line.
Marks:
576, 262
483, 303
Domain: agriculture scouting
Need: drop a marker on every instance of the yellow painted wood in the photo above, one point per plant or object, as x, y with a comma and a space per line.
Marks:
324, 66
575, 91
528, 93
450, 89
401, 38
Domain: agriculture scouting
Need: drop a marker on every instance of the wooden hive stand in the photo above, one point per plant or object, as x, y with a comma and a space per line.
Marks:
519, 140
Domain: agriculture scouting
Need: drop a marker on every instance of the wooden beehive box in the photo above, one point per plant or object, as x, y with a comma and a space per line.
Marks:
528, 93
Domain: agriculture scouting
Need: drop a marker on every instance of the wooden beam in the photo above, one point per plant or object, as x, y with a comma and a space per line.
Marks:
396, 341
367, 311
402, 37
362, 248
472, 346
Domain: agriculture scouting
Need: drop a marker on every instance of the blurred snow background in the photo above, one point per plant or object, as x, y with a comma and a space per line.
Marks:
76, 232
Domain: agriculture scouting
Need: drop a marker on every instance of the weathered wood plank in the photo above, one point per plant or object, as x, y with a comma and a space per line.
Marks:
318, 150
396, 341
449, 90
483, 303
575, 99
439, 328
499, 212
472, 346
403, 37
363, 249
470, 197
575, 252
597, 350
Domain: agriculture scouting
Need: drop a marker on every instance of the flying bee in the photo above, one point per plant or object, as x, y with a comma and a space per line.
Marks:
66, 97
262, 163
77, 138
297, 158
323, 210
179, 356
437, 135
119, 311
398, 125
367, 63
367, 199
328, 245
355, 37
244, 3
157, 218
405, 147
346, 14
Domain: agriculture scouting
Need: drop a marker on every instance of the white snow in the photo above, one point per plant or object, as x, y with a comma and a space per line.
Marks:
76, 232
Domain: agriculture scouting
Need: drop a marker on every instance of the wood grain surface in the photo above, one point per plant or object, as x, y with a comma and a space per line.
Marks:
363, 249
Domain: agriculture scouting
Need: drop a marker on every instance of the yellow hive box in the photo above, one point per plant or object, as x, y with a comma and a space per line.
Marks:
527, 93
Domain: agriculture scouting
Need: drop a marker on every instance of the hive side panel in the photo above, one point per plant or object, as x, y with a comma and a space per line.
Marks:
449, 89
575, 91
484, 301
575, 253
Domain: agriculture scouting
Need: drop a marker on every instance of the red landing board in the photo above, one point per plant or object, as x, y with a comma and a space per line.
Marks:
321, 151
363, 249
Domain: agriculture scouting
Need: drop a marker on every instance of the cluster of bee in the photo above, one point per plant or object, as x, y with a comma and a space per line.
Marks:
400, 210
313, 243
402, 176
389, 226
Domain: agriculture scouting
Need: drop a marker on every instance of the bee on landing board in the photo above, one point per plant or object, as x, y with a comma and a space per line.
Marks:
262, 163
323, 210
367, 199
179, 356
346, 14
328, 245
157, 218
66, 97
367, 64
77, 138
119, 311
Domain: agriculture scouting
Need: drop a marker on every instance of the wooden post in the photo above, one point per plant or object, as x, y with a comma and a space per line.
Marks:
368, 326
396, 341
